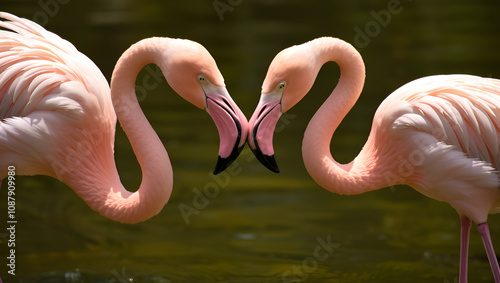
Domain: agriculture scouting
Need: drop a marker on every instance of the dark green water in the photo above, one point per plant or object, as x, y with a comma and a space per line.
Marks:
259, 226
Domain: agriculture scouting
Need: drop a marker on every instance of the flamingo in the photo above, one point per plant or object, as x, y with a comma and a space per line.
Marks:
58, 115
438, 134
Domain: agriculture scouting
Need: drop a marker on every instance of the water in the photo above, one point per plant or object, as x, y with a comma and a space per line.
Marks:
259, 226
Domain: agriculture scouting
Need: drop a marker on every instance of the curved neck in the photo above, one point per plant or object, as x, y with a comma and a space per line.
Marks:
354, 177
156, 185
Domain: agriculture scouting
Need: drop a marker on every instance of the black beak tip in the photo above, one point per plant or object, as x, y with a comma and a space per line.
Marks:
223, 163
267, 160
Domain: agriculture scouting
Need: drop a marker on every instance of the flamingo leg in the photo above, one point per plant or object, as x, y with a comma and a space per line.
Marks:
464, 247
484, 231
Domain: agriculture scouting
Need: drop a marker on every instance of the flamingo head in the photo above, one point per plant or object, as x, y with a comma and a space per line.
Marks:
289, 78
194, 75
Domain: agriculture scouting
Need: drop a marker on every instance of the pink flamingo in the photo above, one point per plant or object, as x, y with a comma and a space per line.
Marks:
58, 115
438, 134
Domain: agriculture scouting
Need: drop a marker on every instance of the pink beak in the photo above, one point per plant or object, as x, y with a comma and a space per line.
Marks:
231, 124
260, 135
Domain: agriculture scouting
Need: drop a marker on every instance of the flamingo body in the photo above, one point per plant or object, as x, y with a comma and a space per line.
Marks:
446, 127
438, 134
58, 115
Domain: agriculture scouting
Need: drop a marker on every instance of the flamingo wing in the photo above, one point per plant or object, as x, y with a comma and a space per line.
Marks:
449, 126
41, 71
51, 96
459, 110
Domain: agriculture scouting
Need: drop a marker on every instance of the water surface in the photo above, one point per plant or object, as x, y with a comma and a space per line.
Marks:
259, 226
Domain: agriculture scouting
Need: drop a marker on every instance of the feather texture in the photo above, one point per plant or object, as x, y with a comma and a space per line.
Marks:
459, 110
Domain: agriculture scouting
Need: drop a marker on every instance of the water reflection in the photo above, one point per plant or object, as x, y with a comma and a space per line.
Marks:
261, 225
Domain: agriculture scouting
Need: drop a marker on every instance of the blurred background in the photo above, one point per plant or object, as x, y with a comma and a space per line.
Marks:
258, 226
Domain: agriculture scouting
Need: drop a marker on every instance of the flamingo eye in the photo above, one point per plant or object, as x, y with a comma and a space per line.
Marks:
281, 86
202, 78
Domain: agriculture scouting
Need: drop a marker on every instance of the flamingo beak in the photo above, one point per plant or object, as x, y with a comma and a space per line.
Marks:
231, 124
262, 125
